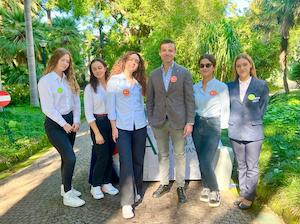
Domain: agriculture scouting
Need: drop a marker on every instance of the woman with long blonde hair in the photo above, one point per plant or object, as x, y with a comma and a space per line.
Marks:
248, 104
59, 96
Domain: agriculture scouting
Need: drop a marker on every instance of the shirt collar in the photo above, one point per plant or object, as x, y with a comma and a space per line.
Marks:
56, 76
245, 82
209, 82
172, 65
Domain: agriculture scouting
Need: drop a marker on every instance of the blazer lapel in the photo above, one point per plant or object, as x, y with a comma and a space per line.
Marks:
175, 72
251, 89
160, 79
236, 91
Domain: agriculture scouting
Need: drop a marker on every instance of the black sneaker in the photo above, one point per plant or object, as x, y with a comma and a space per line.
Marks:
214, 199
161, 190
204, 195
181, 195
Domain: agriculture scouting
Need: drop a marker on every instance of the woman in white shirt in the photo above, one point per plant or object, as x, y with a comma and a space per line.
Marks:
95, 97
59, 95
127, 116
212, 113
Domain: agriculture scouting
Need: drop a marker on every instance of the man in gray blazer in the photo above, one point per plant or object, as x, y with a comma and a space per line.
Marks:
171, 110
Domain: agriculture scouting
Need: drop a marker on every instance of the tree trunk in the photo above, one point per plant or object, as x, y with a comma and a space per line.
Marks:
283, 62
49, 19
34, 101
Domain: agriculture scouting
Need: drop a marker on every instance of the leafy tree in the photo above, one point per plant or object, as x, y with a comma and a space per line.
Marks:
287, 14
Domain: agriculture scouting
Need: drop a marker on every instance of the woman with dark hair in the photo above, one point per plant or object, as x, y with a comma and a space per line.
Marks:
95, 97
59, 95
248, 103
127, 116
212, 113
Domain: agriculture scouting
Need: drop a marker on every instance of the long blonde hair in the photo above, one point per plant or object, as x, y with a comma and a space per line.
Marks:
69, 72
249, 59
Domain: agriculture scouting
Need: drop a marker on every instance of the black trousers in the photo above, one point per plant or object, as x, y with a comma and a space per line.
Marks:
206, 136
131, 146
102, 168
63, 143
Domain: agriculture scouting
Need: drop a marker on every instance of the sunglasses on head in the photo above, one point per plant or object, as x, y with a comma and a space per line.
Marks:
205, 65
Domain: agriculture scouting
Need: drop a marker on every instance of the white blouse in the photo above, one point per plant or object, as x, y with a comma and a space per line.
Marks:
243, 88
94, 103
57, 98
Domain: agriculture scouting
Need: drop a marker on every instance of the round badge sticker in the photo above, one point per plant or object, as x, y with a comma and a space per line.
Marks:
213, 92
126, 92
251, 96
59, 90
173, 79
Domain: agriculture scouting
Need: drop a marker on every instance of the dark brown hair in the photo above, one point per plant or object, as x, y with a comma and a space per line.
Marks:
93, 80
139, 74
167, 41
209, 57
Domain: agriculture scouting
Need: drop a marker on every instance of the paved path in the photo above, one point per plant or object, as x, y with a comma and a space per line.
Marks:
32, 196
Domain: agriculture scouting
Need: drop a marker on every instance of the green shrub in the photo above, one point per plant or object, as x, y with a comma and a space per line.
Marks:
19, 93
294, 74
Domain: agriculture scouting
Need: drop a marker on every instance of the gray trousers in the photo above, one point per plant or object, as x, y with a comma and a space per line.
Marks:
162, 136
247, 155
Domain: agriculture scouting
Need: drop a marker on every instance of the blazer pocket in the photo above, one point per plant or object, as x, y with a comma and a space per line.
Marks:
258, 122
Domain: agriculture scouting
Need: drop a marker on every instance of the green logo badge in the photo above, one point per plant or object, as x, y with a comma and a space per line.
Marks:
59, 90
251, 96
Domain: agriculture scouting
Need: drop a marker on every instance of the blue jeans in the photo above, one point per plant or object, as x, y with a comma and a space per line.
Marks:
206, 136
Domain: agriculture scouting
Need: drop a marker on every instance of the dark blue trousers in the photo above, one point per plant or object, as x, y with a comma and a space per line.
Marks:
206, 136
131, 146
63, 143
102, 168
247, 155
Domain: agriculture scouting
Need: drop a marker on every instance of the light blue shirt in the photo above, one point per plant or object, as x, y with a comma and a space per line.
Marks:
214, 101
125, 103
167, 76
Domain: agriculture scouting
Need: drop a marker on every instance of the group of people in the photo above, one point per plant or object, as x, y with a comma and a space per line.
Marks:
114, 110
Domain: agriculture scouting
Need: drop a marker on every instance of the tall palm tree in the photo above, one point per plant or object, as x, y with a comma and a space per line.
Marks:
34, 101
287, 14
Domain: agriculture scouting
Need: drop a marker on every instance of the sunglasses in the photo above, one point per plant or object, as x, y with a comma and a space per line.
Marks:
205, 65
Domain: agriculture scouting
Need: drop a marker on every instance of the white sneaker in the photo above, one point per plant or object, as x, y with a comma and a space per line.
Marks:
75, 192
109, 189
137, 198
127, 212
96, 192
69, 199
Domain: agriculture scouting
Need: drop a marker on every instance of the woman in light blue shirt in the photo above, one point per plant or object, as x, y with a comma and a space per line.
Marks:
212, 113
127, 116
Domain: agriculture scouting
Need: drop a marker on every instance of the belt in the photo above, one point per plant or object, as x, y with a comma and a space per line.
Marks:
100, 115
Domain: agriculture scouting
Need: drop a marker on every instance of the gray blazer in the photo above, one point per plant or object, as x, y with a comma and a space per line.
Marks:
246, 118
177, 103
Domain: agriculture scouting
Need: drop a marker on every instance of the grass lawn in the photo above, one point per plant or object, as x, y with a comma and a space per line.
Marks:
21, 134
279, 183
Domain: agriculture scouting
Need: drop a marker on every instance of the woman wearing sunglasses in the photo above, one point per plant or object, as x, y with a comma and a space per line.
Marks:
212, 114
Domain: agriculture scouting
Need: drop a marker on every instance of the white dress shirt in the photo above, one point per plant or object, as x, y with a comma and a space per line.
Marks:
57, 98
214, 101
243, 88
94, 103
